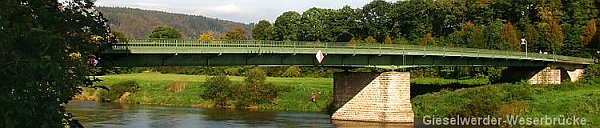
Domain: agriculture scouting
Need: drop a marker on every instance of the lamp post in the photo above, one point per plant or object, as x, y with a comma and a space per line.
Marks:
523, 41
597, 57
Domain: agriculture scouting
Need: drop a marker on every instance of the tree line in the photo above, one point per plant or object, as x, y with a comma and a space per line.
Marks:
567, 27
167, 32
137, 23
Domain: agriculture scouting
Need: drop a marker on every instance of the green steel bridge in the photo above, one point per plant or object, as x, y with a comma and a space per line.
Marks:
156, 52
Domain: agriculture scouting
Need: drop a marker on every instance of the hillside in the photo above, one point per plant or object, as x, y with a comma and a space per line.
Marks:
137, 23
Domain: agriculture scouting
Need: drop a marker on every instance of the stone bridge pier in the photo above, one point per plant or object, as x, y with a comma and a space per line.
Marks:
375, 97
552, 74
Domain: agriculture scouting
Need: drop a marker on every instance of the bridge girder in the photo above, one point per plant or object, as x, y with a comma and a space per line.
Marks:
331, 60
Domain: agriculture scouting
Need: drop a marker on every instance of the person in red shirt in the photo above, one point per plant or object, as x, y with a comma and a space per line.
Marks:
314, 97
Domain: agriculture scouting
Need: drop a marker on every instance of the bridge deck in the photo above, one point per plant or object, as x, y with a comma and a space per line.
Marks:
181, 47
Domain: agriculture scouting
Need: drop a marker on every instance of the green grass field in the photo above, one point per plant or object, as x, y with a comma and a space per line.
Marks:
582, 99
296, 96
153, 91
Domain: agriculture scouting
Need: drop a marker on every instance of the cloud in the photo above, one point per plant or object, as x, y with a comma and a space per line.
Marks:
224, 9
246, 11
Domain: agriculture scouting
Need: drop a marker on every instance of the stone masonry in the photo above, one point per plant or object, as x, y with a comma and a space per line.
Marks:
385, 98
575, 74
546, 76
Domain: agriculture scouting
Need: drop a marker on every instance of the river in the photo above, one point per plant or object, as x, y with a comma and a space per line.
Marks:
98, 114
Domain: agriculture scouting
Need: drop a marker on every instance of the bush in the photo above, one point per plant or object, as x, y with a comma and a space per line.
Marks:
102, 95
217, 89
517, 92
484, 102
592, 73
513, 108
232, 71
117, 90
292, 71
177, 86
259, 91
255, 90
370, 40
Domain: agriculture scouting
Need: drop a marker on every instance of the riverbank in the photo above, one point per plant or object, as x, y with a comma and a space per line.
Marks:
154, 89
581, 99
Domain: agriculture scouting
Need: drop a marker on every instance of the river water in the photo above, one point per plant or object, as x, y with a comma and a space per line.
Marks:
97, 114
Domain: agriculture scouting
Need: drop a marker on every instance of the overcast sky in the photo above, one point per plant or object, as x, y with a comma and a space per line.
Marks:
245, 11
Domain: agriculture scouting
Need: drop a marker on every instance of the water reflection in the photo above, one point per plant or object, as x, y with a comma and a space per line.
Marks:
356, 124
95, 114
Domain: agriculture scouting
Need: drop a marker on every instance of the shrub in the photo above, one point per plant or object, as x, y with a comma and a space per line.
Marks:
217, 89
292, 71
232, 71
516, 92
241, 95
117, 90
176, 86
352, 42
484, 102
592, 71
102, 95
370, 40
387, 40
259, 91
513, 108
214, 71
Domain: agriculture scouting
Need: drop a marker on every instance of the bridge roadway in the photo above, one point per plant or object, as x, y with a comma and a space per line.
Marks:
154, 52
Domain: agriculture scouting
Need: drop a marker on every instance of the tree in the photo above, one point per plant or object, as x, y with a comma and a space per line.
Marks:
579, 12
473, 36
375, 17
292, 71
493, 36
287, 26
510, 38
120, 36
407, 17
344, 23
45, 49
165, 32
549, 26
217, 88
312, 24
263, 30
573, 45
237, 33
388, 39
532, 36
589, 33
206, 36
370, 40
259, 90
352, 41
426, 40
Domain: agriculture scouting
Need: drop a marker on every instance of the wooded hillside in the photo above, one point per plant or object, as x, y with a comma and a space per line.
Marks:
137, 23
565, 27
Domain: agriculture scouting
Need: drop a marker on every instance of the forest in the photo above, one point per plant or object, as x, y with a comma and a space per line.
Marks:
137, 23
565, 27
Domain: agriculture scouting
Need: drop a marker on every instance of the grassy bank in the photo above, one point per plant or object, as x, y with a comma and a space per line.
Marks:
581, 99
295, 94
153, 90
435, 97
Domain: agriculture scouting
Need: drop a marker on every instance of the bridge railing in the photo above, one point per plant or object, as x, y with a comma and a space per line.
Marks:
163, 43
